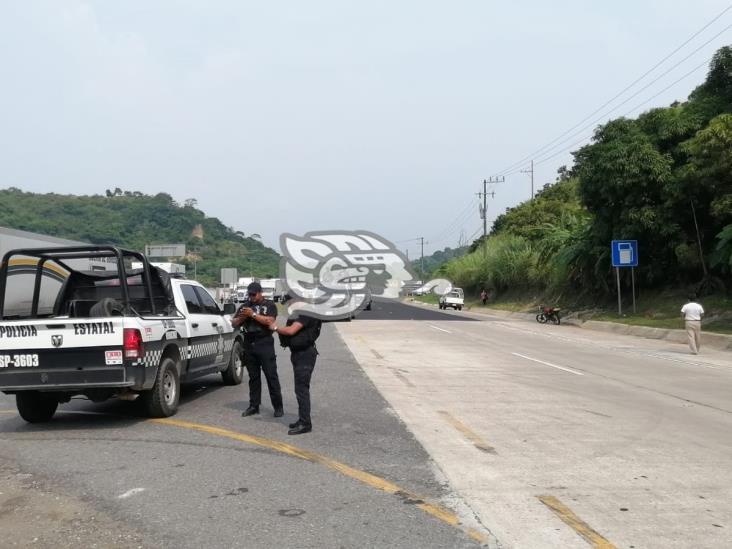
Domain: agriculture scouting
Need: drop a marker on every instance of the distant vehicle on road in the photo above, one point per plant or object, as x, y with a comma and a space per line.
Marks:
455, 299
240, 294
273, 288
102, 334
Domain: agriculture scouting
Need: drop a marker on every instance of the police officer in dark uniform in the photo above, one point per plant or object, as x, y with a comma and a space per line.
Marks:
299, 334
256, 316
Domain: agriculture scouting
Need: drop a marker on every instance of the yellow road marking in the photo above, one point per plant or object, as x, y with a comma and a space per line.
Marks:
401, 377
576, 523
376, 354
8, 412
467, 432
368, 479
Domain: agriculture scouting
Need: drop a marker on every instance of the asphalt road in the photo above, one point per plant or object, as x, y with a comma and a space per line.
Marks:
432, 429
173, 485
388, 309
557, 436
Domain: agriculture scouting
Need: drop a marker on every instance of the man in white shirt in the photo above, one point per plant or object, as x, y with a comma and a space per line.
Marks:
692, 313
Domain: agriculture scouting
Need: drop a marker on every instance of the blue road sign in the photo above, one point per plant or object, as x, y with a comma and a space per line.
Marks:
625, 253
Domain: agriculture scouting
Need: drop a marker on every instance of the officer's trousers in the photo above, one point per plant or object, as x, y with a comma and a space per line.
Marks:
303, 364
259, 356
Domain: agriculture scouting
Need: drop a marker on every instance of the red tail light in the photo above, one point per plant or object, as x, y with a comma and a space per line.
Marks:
133, 343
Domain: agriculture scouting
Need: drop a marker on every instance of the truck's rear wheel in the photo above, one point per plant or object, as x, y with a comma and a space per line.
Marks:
234, 373
35, 407
162, 399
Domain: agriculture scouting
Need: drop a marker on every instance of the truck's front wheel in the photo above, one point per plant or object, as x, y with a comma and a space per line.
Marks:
234, 373
162, 399
35, 407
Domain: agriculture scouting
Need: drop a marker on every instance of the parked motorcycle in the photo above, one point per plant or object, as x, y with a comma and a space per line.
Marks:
547, 314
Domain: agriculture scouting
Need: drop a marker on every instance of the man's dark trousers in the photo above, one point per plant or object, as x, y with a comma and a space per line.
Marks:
259, 355
303, 364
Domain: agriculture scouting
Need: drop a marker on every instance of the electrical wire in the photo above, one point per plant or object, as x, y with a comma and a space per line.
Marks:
644, 88
551, 145
639, 105
455, 226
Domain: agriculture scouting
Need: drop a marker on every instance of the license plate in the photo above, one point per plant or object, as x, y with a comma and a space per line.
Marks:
113, 357
19, 361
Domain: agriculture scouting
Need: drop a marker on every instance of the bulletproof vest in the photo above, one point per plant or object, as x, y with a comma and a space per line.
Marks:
307, 336
250, 325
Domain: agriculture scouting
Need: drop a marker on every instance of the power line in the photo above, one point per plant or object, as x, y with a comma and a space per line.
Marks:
445, 235
639, 105
461, 218
659, 63
615, 108
476, 233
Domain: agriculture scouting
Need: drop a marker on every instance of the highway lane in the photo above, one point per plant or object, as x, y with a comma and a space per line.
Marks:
214, 479
632, 436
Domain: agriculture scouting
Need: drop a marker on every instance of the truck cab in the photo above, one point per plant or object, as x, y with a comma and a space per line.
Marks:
454, 299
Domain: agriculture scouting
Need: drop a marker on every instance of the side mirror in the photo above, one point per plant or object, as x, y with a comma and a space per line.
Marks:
229, 308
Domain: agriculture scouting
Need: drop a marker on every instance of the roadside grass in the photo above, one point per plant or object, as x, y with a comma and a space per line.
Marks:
430, 298
655, 309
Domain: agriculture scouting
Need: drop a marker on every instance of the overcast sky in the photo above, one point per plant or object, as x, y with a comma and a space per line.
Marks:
296, 116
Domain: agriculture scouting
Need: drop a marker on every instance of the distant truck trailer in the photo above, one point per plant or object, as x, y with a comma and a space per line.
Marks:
23, 268
12, 239
273, 288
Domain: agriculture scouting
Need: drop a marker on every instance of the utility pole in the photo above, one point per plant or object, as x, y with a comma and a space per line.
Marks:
484, 196
531, 172
421, 260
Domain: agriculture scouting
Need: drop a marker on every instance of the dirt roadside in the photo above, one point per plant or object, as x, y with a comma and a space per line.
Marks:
33, 513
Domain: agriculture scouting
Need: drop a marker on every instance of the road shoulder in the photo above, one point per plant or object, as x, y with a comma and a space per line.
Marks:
35, 513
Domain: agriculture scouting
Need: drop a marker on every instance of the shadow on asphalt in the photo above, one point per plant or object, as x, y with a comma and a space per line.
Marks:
81, 413
390, 309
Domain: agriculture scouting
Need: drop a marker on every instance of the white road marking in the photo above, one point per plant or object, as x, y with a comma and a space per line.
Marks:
441, 329
130, 493
681, 360
612, 346
549, 364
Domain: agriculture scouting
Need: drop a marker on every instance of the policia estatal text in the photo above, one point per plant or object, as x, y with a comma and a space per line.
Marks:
255, 317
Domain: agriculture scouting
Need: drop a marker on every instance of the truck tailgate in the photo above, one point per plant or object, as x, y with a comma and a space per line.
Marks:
58, 354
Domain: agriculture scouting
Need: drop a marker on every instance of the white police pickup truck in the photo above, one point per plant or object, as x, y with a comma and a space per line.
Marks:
102, 334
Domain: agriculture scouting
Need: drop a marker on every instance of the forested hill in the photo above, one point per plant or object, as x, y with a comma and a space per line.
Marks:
432, 263
663, 178
132, 220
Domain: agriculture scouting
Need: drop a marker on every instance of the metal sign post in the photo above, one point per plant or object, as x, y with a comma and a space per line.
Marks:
632, 279
624, 254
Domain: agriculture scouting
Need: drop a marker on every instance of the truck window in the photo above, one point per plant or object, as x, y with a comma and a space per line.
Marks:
208, 305
192, 303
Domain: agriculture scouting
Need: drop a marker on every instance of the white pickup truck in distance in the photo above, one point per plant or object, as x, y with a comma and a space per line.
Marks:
455, 299
101, 334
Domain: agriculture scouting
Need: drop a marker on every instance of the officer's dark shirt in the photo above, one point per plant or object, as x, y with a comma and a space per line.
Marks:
303, 338
251, 327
